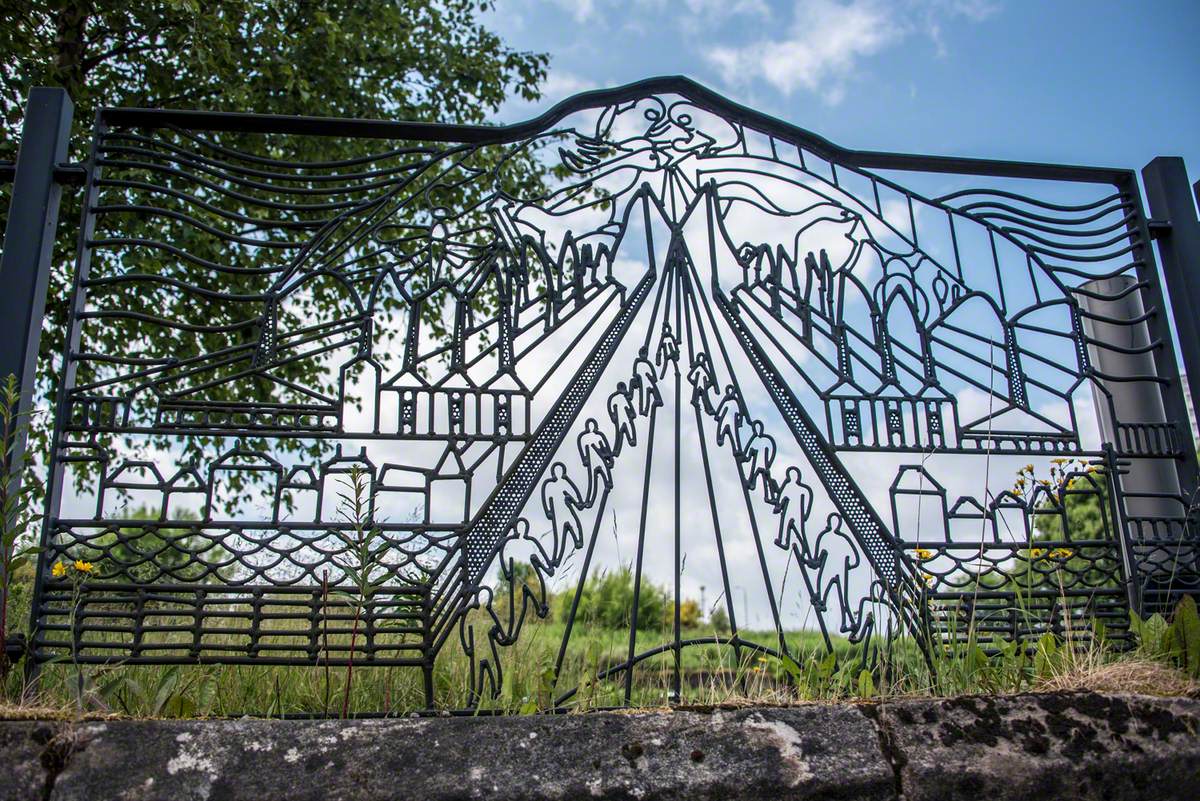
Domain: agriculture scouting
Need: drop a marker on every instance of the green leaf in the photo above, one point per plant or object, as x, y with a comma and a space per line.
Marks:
791, 667
827, 665
1045, 655
1184, 635
866, 684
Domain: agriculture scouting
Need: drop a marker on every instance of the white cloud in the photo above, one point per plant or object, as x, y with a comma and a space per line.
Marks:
560, 84
581, 10
827, 39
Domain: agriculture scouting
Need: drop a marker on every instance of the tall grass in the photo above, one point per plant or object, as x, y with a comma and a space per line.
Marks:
714, 674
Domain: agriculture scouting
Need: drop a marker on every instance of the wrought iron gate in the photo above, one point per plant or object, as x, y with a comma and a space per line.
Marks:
869, 390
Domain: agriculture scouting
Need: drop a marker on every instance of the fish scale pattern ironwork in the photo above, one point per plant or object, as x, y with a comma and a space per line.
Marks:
899, 394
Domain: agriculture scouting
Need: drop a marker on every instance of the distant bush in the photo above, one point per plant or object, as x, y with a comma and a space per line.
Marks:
607, 601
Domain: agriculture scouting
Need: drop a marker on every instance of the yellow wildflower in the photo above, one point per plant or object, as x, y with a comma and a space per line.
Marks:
1059, 461
924, 554
59, 570
1061, 553
1037, 553
84, 567
762, 659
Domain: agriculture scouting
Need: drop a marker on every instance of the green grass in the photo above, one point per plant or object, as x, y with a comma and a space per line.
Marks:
712, 675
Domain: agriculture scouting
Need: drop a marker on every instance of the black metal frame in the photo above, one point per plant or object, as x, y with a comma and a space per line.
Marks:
726, 325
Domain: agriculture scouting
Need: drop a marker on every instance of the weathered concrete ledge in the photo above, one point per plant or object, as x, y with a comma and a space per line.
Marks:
1056, 746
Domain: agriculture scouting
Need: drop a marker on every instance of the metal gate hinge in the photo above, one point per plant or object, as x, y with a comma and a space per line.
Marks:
70, 174
1158, 228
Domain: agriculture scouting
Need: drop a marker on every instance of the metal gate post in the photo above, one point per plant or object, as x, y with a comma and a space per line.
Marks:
1177, 231
28, 249
29, 237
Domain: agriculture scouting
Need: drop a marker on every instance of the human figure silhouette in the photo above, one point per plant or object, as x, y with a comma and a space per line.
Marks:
793, 504
729, 418
620, 410
702, 380
646, 382
760, 452
668, 350
834, 579
561, 502
597, 459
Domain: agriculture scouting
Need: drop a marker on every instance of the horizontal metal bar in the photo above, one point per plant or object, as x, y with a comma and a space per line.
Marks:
675, 84
64, 174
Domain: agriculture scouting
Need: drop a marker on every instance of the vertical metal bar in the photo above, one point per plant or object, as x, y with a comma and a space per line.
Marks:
1165, 359
1170, 199
54, 465
25, 265
29, 242
1165, 563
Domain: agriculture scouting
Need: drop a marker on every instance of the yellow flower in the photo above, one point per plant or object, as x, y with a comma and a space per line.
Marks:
762, 659
1061, 553
84, 567
1059, 461
59, 570
924, 554
928, 579
1037, 553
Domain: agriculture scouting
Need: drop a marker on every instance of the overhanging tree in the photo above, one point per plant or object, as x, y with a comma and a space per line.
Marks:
399, 59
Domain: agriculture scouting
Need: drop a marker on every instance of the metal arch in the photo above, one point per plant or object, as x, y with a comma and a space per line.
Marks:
769, 320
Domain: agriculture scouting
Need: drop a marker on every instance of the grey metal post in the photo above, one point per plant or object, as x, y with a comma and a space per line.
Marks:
29, 236
28, 249
1170, 198
1116, 319
1119, 349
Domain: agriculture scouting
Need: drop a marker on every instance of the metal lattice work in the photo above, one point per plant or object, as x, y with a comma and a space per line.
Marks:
698, 342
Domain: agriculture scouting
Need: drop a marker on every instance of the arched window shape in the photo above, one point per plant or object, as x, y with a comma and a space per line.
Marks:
243, 483
901, 335
969, 344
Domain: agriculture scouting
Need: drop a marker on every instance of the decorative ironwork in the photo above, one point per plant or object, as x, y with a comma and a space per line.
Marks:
762, 359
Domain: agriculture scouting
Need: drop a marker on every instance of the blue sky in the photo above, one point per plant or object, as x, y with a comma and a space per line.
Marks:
1106, 83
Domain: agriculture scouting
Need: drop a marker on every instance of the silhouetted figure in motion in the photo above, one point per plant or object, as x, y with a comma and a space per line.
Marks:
621, 411
597, 459
561, 502
760, 452
645, 382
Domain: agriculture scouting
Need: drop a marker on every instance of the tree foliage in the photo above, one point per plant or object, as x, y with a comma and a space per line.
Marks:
399, 59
